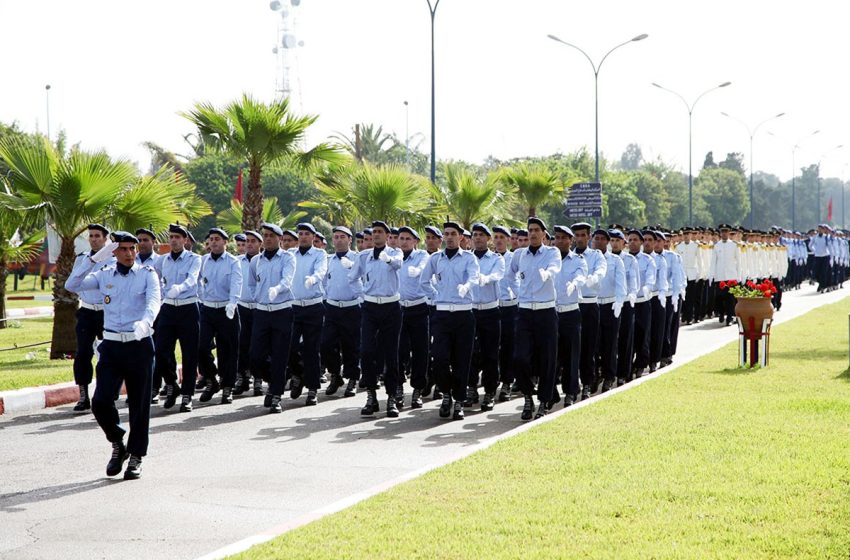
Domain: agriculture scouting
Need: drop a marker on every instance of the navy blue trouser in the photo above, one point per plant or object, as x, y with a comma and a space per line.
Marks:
642, 332
413, 344
670, 317
214, 323
569, 350
589, 342
246, 322
271, 336
536, 351
89, 327
454, 334
485, 353
307, 328
656, 335
178, 323
609, 334
341, 337
130, 363
379, 334
507, 315
625, 342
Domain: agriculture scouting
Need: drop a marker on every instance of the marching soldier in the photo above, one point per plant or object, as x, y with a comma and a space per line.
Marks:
625, 340
433, 243
146, 255
653, 245
220, 288
392, 238
676, 289
368, 243
131, 300
289, 240
507, 312
415, 337
179, 317
611, 298
319, 241
89, 316
570, 279
247, 304
643, 304
433, 239
341, 332
521, 240
597, 267
453, 272
271, 274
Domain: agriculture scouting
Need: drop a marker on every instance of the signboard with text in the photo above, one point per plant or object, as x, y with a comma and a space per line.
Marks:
584, 201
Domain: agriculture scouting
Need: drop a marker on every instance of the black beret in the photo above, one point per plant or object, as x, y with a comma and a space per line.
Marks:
178, 229
549, 236
254, 234
359, 235
564, 229
615, 232
522, 233
145, 231
482, 228
467, 233
635, 232
454, 225
380, 224
367, 231
217, 231
514, 230
306, 226
409, 230
649, 233
290, 233
503, 230
98, 227
434, 230
274, 228
240, 237
724, 226
581, 225
394, 231
604, 232
190, 236
123, 237
616, 226
538, 221
345, 230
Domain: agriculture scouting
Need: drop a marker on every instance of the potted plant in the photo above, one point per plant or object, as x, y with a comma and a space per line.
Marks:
754, 304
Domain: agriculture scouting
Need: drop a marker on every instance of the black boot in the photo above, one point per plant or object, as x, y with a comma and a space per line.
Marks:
119, 455
186, 405
416, 399
541, 410
171, 393
211, 389
446, 406
226, 395
312, 398
488, 402
351, 388
336, 382
392, 408
399, 397
371, 406
274, 405
505, 392
296, 387
585, 392
471, 397
84, 403
458, 411
258, 386
528, 408
134, 468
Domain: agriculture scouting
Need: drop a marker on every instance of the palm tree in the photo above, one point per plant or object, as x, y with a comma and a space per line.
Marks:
14, 249
260, 134
231, 219
367, 143
469, 200
535, 185
69, 192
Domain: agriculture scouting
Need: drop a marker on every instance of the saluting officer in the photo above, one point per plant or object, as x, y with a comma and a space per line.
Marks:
381, 317
271, 274
415, 337
570, 279
453, 272
536, 342
247, 303
625, 340
643, 304
308, 312
588, 303
508, 289
131, 299
488, 322
221, 286
179, 317
89, 316
341, 331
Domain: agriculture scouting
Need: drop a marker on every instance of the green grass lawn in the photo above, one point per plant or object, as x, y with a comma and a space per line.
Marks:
28, 367
25, 288
708, 461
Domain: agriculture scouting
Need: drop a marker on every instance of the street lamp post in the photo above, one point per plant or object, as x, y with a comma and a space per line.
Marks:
596, 68
407, 133
826, 153
752, 132
690, 109
47, 103
433, 9
794, 148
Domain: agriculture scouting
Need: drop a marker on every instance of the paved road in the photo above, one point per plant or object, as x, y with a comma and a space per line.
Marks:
224, 473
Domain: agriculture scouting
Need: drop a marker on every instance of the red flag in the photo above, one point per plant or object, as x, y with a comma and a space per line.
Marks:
238, 194
829, 210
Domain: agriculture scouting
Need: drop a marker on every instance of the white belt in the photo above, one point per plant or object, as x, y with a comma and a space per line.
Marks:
412, 302
306, 302
507, 302
247, 305
341, 304
604, 300
382, 299
536, 306
215, 304
485, 306
179, 302
588, 299
273, 307
92, 306
642, 299
567, 308
454, 307
120, 336
653, 294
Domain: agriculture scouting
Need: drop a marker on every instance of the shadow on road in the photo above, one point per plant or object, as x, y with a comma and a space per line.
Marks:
11, 503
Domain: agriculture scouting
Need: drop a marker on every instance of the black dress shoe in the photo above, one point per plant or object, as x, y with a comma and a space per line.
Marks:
416, 399
336, 382
446, 406
505, 392
472, 397
541, 411
211, 389
296, 387
351, 388
274, 405
154, 398
488, 402
186, 405
528, 408
243, 383
258, 387
134, 468
427, 390
570, 400
267, 402
458, 411
312, 398
119, 455
399, 397
371, 406
84, 403
227, 395
585, 393
392, 408
171, 393
437, 394
606, 386
201, 383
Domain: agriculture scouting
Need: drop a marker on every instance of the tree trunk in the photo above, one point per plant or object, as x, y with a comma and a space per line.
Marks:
532, 211
252, 210
64, 306
3, 274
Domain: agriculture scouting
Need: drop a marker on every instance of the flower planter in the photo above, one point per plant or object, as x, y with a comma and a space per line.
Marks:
755, 314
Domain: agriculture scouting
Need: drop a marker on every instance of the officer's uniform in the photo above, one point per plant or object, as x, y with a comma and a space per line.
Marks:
415, 335
571, 277
271, 274
646, 293
220, 288
247, 304
659, 305
676, 285
131, 300
597, 266
454, 272
508, 289
625, 340
820, 247
611, 299
689, 251
725, 266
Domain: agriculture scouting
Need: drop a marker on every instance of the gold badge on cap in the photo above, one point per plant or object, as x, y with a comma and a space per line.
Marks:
107, 299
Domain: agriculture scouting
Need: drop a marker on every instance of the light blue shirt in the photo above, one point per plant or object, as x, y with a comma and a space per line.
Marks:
277, 271
647, 271
597, 267
126, 298
613, 284
338, 286
508, 288
632, 273
149, 261
661, 284
247, 295
676, 279
312, 264
410, 288
182, 273
526, 266
448, 274
493, 265
380, 279
820, 245
221, 279
573, 269
82, 266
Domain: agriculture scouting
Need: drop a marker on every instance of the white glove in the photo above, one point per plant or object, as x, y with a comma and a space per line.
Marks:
544, 274
462, 290
632, 299
346, 262
309, 282
617, 307
571, 287
384, 256
172, 292
591, 281
675, 304
141, 330
662, 299
273, 292
645, 291
683, 296
413, 271
230, 310
105, 252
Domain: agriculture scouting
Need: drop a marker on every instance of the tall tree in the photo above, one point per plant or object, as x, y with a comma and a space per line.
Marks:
468, 199
14, 248
632, 158
534, 185
725, 193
